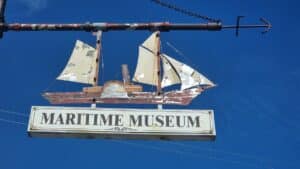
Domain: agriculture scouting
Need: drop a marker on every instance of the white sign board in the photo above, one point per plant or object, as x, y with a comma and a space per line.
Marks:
122, 123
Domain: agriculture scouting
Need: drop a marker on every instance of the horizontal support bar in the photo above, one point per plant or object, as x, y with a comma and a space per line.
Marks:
162, 26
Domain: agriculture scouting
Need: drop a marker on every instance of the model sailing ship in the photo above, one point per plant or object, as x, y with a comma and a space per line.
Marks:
83, 67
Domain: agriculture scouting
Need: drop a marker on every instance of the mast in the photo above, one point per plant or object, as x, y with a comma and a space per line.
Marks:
98, 35
158, 87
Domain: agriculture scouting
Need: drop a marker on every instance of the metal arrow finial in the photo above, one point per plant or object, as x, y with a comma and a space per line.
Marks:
268, 25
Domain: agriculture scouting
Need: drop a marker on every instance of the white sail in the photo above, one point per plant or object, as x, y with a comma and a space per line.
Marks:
146, 70
81, 67
170, 76
188, 76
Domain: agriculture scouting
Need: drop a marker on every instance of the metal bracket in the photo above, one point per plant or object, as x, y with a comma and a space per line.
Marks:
93, 106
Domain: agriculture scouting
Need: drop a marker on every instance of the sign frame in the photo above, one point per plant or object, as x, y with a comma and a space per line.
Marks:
35, 131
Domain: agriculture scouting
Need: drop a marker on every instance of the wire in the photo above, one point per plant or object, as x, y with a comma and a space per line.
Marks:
218, 151
50, 85
184, 11
13, 112
188, 153
175, 49
12, 121
182, 55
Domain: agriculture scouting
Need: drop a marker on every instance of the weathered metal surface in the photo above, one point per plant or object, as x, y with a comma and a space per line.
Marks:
2, 11
162, 26
173, 97
133, 88
147, 64
158, 69
93, 89
98, 35
114, 89
121, 123
82, 66
129, 88
125, 74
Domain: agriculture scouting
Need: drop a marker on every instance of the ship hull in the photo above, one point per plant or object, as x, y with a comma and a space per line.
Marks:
183, 97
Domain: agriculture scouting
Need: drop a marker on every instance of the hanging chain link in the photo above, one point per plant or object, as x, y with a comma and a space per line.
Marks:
185, 11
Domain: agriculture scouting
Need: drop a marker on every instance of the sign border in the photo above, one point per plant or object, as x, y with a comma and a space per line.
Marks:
73, 133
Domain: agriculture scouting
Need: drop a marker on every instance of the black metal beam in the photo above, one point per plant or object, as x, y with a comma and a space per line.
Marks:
161, 26
2, 11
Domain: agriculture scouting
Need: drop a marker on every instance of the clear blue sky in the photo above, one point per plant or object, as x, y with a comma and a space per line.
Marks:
256, 102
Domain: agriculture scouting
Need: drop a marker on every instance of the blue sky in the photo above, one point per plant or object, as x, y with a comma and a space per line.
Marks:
256, 102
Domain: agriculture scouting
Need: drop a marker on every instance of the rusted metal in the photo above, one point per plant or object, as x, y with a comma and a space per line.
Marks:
176, 97
158, 87
133, 88
162, 26
159, 26
98, 55
125, 74
93, 89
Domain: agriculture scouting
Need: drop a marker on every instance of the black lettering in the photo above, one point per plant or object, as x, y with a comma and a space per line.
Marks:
147, 123
59, 119
118, 120
104, 120
191, 122
134, 121
46, 119
169, 121
70, 118
178, 119
79, 118
159, 120
95, 119
87, 119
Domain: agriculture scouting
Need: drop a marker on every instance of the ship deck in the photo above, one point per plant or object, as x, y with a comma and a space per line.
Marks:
183, 97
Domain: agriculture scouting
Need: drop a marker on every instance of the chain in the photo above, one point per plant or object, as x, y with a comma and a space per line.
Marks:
185, 11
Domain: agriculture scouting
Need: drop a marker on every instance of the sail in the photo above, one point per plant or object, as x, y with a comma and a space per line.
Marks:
146, 70
81, 67
188, 76
170, 76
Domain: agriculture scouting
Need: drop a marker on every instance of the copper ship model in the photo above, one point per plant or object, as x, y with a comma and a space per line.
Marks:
83, 67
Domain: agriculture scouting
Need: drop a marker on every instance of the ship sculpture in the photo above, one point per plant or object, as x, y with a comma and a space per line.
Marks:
83, 67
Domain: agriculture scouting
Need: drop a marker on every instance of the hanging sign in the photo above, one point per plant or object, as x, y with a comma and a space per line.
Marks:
122, 123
